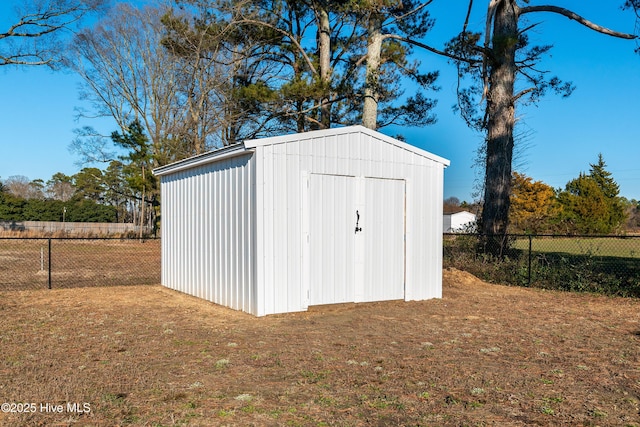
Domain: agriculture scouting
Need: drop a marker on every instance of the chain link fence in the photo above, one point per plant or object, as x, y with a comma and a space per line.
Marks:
603, 264
40, 263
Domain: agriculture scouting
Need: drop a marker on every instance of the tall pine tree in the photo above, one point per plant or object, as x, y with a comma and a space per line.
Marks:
611, 191
591, 204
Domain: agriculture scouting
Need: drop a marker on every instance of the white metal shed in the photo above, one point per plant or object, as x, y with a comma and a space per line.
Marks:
278, 224
456, 222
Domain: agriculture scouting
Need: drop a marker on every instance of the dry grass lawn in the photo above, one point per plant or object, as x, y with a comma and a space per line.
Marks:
484, 355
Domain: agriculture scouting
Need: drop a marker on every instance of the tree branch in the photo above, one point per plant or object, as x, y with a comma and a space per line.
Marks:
411, 12
574, 16
493, 5
293, 40
466, 19
434, 50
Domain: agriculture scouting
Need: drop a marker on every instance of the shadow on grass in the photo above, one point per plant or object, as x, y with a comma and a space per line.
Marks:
609, 275
557, 270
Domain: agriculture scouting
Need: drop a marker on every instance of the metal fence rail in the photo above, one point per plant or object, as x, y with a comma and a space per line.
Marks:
603, 264
39, 263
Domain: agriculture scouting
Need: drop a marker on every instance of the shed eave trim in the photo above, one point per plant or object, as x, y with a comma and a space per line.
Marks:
203, 159
253, 143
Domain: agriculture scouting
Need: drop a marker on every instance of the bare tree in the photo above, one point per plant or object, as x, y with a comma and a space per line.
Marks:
21, 186
130, 77
34, 38
225, 74
59, 187
169, 70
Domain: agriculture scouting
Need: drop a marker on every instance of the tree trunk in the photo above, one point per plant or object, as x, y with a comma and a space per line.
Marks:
501, 69
372, 77
324, 50
501, 115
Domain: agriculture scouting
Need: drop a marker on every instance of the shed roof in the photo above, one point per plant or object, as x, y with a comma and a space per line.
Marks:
249, 145
202, 159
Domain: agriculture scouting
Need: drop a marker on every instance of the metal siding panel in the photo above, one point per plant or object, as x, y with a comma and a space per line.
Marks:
222, 219
331, 239
200, 239
383, 217
250, 249
232, 284
296, 299
231, 246
242, 240
236, 245
318, 155
178, 262
410, 259
376, 157
208, 221
359, 244
344, 163
316, 227
435, 229
195, 237
281, 222
184, 238
249, 238
260, 297
216, 238
224, 239
424, 251
421, 235
305, 256
163, 231
331, 154
268, 232
204, 232
280, 229
231, 239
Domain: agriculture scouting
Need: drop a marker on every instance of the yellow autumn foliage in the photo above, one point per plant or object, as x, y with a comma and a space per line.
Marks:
533, 203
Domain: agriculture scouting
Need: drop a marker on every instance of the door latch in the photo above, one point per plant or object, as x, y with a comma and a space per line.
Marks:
358, 221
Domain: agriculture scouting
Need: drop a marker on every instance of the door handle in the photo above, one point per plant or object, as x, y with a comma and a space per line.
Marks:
358, 221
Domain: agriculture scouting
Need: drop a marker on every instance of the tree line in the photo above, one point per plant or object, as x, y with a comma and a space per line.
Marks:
91, 195
588, 204
198, 74
126, 191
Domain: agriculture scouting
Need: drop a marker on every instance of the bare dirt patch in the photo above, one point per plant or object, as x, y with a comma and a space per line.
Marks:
483, 355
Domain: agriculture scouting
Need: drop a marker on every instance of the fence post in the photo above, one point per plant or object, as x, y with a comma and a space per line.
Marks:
529, 269
49, 262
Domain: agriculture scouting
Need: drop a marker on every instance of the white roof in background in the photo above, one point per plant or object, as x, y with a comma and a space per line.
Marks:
465, 213
249, 145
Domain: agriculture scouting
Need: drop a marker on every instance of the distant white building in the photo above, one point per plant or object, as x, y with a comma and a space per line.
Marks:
457, 222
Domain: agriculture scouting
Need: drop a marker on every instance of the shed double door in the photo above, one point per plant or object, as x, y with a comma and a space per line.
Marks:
356, 235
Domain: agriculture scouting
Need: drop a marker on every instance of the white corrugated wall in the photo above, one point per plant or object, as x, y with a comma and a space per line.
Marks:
283, 165
208, 232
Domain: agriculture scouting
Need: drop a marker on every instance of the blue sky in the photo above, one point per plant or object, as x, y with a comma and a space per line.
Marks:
37, 115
